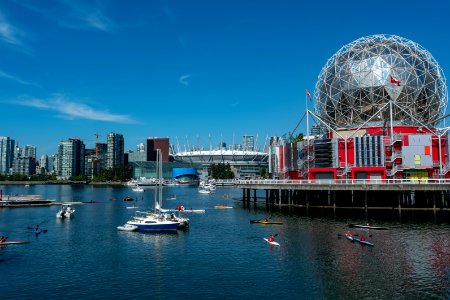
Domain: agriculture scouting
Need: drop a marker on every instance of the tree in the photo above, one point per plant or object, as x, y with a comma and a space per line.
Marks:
220, 171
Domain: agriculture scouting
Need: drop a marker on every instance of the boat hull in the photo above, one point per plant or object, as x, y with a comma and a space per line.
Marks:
142, 226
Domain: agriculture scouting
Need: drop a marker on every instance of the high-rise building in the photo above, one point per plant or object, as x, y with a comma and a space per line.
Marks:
115, 156
53, 164
29, 151
157, 143
6, 154
24, 166
70, 158
43, 164
248, 143
140, 147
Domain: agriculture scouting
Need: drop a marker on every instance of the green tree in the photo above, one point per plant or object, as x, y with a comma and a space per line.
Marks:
220, 171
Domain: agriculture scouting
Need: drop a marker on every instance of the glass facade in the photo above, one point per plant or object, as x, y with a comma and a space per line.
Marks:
70, 158
115, 156
7, 146
363, 76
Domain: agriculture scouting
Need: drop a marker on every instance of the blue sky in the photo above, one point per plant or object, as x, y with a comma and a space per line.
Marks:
199, 71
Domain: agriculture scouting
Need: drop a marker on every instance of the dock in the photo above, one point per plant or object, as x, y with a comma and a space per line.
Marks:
349, 193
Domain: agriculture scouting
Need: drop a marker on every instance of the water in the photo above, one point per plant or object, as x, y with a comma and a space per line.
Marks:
221, 256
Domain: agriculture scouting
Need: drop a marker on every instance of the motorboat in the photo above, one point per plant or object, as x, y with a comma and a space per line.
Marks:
137, 189
204, 190
66, 212
127, 227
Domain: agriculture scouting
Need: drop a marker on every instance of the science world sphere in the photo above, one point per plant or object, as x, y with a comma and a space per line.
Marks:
357, 83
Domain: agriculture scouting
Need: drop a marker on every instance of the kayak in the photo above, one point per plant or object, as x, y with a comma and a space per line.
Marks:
265, 222
367, 227
183, 211
350, 238
272, 243
222, 206
14, 243
363, 242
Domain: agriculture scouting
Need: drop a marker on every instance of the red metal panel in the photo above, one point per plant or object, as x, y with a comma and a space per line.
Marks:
405, 140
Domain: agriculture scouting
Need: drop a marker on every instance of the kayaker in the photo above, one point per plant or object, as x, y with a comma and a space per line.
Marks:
271, 239
349, 234
3, 239
363, 238
36, 228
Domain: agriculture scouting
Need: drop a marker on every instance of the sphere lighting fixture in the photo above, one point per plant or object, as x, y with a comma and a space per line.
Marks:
357, 83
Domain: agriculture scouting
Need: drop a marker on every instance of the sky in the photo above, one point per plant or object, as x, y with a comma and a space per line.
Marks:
197, 72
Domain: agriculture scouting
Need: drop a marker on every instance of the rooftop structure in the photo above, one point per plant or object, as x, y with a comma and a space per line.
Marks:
363, 76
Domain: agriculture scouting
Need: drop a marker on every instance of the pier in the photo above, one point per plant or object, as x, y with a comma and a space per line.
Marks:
398, 194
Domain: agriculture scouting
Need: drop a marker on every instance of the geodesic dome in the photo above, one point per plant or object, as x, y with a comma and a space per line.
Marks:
362, 77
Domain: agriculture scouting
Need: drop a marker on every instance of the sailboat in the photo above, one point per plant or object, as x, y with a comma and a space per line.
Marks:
147, 221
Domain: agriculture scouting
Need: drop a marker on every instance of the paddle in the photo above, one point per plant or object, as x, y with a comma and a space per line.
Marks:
42, 230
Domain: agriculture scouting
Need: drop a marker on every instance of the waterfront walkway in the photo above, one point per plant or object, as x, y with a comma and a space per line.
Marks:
347, 184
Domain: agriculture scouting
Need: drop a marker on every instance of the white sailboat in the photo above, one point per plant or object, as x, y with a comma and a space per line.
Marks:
147, 221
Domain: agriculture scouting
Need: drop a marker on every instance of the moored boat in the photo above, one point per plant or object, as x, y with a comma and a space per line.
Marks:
137, 189
157, 221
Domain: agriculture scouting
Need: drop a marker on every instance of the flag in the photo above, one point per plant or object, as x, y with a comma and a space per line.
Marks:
395, 81
308, 95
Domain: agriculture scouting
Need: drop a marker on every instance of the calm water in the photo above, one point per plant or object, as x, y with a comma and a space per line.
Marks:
222, 255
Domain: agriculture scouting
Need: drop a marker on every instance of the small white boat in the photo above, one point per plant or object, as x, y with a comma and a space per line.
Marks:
66, 212
137, 189
204, 191
127, 227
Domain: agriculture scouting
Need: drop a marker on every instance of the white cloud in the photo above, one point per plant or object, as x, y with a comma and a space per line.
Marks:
74, 110
184, 79
73, 14
16, 79
86, 14
12, 36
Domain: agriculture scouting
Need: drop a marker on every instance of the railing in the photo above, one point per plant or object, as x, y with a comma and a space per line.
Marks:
393, 157
434, 181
